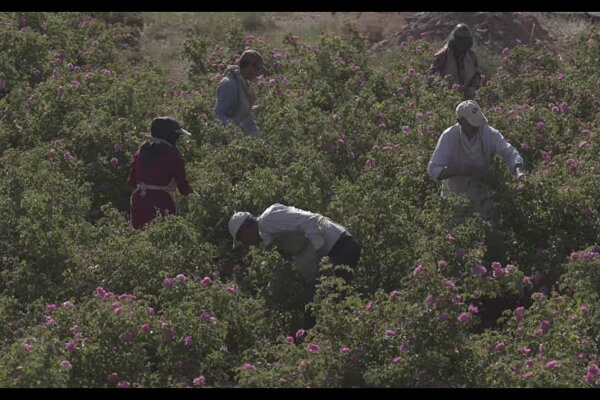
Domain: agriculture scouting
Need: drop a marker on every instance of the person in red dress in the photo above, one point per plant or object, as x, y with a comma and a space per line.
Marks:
156, 169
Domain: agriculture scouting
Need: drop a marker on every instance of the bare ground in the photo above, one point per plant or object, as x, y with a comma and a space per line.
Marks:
162, 33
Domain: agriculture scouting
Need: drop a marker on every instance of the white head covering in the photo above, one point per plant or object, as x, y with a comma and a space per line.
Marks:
471, 111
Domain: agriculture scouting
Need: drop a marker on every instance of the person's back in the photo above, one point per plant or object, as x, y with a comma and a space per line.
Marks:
156, 169
279, 219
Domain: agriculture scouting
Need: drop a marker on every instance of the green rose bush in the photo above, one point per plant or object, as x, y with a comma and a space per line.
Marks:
88, 301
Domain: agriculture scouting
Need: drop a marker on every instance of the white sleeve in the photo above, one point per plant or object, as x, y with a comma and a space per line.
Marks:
442, 154
279, 219
507, 151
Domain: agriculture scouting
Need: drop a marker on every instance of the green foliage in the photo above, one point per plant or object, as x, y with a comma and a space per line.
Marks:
434, 302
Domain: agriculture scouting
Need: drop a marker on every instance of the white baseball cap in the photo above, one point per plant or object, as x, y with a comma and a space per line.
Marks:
471, 111
235, 223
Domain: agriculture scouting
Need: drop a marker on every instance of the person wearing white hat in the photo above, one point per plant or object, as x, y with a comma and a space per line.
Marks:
462, 159
303, 235
235, 98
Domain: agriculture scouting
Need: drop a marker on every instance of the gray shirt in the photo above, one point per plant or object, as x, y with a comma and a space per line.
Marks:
227, 104
279, 220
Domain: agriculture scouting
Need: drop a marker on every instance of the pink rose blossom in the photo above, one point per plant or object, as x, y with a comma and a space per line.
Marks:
199, 381
66, 364
418, 270
313, 347
529, 362
431, 301
519, 313
69, 157
552, 364
593, 369
206, 281
231, 289
464, 317
589, 378
458, 254
479, 270
112, 378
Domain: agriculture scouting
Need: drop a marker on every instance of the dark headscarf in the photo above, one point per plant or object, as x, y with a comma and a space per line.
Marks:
460, 38
165, 131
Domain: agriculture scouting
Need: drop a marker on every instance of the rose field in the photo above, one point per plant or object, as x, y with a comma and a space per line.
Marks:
88, 301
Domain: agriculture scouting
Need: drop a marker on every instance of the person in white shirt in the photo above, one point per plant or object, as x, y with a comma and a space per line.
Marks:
303, 235
462, 159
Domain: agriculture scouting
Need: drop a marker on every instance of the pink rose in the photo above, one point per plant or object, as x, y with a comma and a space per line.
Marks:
199, 381
464, 317
313, 347
66, 364
206, 281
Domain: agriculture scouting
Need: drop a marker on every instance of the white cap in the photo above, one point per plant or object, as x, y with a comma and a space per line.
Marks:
235, 222
471, 111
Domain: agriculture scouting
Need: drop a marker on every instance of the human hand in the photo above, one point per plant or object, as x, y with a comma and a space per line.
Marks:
256, 109
521, 173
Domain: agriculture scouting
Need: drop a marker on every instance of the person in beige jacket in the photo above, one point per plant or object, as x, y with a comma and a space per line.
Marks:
303, 235
457, 62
